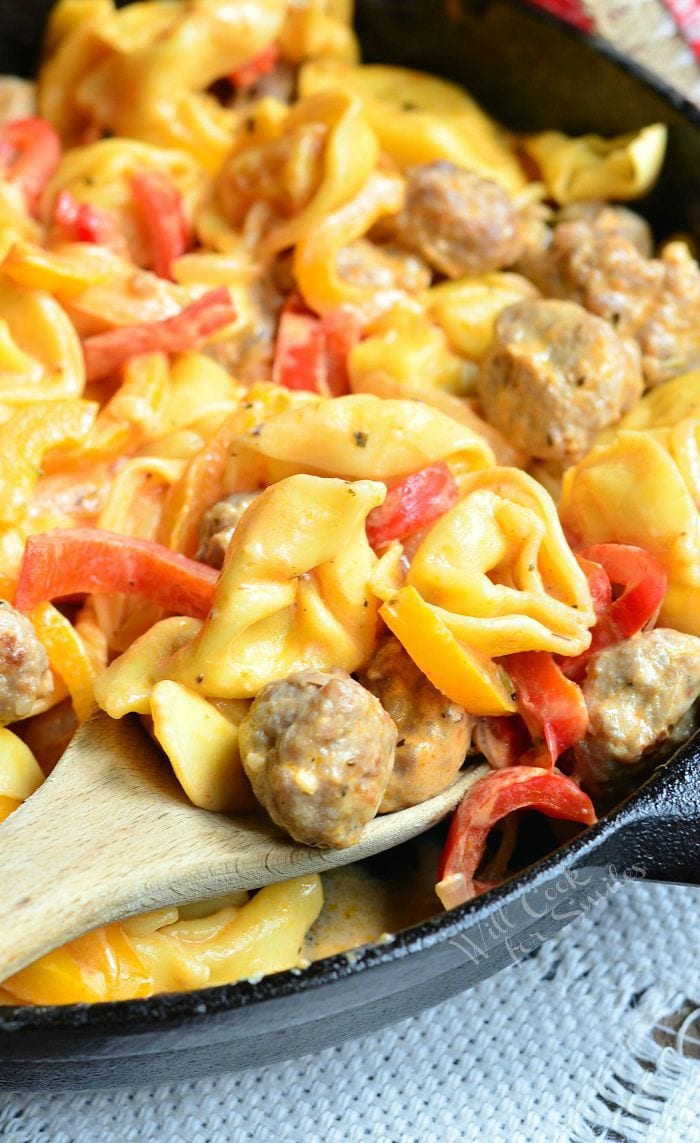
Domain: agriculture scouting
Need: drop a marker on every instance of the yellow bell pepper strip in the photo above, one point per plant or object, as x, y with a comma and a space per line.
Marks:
465, 676
68, 656
65, 273
102, 965
26, 437
78, 560
486, 802
7, 807
105, 353
30, 150
200, 485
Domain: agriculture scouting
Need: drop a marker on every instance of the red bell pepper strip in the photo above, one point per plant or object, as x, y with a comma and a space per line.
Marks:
503, 739
412, 504
573, 11
159, 203
30, 151
249, 73
70, 561
644, 583
105, 353
490, 799
83, 222
343, 330
552, 707
300, 353
311, 352
598, 583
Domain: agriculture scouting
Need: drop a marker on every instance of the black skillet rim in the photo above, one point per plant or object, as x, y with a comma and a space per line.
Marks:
173, 1008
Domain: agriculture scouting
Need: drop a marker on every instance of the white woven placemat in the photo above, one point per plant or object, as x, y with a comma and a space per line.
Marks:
595, 1037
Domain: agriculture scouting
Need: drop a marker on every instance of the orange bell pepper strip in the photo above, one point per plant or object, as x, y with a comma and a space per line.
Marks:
464, 675
26, 437
68, 656
199, 487
8, 806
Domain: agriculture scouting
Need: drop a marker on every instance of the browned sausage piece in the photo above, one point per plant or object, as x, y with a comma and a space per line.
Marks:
550, 244
606, 218
370, 266
318, 749
218, 525
654, 300
639, 695
434, 733
459, 222
24, 665
555, 376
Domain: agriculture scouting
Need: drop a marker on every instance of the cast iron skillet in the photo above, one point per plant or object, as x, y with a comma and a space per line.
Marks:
532, 73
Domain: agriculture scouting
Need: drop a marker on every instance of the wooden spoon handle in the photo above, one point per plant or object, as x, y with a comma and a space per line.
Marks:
110, 834
67, 854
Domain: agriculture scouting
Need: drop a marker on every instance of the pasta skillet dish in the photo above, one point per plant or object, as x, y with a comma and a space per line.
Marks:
345, 439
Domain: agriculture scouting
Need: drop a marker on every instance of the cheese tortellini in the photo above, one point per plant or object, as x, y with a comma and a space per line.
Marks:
590, 167
293, 592
643, 490
492, 577
363, 437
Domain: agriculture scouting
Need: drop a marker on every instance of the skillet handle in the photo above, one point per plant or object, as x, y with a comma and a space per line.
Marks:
656, 835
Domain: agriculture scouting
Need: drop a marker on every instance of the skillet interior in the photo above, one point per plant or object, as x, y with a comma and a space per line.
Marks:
495, 48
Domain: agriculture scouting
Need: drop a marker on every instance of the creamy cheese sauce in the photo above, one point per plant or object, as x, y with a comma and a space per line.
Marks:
364, 903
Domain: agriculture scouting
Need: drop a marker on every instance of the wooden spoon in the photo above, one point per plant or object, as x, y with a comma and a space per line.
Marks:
110, 833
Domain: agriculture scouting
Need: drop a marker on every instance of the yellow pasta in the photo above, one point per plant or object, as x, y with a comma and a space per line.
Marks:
316, 256
324, 156
143, 71
264, 935
201, 744
127, 684
407, 347
257, 365
362, 437
632, 491
467, 309
591, 167
420, 119
293, 593
40, 354
498, 576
